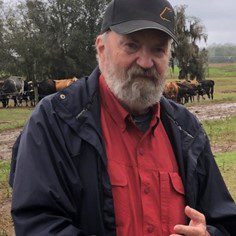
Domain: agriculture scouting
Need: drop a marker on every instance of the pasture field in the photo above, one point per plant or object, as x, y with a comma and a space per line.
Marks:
216, 70
227, 164
222, 132
5, 196
222, 70
13, 118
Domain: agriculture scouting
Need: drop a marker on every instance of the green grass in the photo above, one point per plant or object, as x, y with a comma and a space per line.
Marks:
13, 118
216, 70
5, 190
5, 195
222, 70
227, 165
221, 132
4, 170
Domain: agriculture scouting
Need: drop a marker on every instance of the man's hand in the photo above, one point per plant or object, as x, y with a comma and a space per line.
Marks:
196, 227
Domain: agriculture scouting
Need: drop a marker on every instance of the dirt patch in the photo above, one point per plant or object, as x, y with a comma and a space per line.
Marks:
222, 65
229, 91
6, 225
7, 139
214, 111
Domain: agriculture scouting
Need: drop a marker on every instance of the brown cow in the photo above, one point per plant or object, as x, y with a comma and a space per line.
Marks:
171, 91
63, 83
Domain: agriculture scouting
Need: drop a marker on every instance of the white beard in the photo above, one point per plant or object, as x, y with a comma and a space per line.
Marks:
136, 89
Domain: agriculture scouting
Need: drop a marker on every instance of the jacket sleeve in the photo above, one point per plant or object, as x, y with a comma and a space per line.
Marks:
214, 199
46, 188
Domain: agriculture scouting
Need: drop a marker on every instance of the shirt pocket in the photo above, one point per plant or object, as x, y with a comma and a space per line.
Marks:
172, 197
177, 204
120, 192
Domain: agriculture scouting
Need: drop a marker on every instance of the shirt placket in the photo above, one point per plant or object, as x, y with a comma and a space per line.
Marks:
149, 227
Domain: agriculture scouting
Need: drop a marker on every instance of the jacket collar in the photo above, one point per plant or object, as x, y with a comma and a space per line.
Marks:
169, 121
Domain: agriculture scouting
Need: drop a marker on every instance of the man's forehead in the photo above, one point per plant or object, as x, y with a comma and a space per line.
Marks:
148, 34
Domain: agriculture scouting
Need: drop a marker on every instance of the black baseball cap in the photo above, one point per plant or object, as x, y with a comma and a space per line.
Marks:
127, 16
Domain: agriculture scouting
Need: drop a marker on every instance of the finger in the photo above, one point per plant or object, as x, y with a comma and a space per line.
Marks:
194, 215
187, 230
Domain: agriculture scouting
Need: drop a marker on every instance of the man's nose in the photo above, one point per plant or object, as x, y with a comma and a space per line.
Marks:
145, 60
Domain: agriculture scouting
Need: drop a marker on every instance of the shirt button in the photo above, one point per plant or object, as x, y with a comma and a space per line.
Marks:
141, 151
150, 228
146, 190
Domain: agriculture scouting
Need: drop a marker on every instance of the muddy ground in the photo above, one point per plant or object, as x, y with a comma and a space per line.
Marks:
7, 138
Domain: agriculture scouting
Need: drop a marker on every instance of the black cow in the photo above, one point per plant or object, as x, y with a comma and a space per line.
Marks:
25, 95
12, 88
186, 92
3, 98
208, 87
49, 86
46, 87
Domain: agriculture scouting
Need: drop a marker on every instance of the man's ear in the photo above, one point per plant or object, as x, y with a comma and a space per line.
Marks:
100, 47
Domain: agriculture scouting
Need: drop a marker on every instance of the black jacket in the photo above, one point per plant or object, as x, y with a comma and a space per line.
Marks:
60, 182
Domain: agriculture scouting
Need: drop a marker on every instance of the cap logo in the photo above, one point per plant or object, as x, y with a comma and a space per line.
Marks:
164, 14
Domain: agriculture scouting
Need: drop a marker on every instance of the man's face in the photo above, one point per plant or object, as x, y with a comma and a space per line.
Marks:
134, 66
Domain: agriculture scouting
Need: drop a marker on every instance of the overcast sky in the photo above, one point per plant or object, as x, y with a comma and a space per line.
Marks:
218, 16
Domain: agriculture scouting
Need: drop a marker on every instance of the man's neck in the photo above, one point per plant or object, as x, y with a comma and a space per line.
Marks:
135, 112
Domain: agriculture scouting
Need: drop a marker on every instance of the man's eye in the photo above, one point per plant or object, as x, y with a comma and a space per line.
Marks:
131, 47
159, 51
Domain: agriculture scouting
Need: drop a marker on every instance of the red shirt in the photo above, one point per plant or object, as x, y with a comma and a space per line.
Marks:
147, 189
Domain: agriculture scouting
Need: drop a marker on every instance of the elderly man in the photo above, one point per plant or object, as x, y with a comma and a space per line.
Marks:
109, 155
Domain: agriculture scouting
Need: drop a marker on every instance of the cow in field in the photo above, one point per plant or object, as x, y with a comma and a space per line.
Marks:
45, 87
49, 86
12, 88
208, 87
3, 98
15, 88
63, 83
171, 91
185, 91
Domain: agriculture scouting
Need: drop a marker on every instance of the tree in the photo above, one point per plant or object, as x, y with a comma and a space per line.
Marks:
191, 60
54, 38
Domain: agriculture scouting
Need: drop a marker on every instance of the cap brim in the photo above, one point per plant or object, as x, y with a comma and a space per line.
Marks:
136, 25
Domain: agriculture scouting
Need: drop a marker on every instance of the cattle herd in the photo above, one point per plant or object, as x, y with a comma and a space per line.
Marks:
186, 90
23, 92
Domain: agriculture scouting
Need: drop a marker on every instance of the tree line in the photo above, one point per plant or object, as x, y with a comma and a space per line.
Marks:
222, 53
54, 39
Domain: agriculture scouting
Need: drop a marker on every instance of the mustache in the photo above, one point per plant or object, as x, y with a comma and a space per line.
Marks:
137, 71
